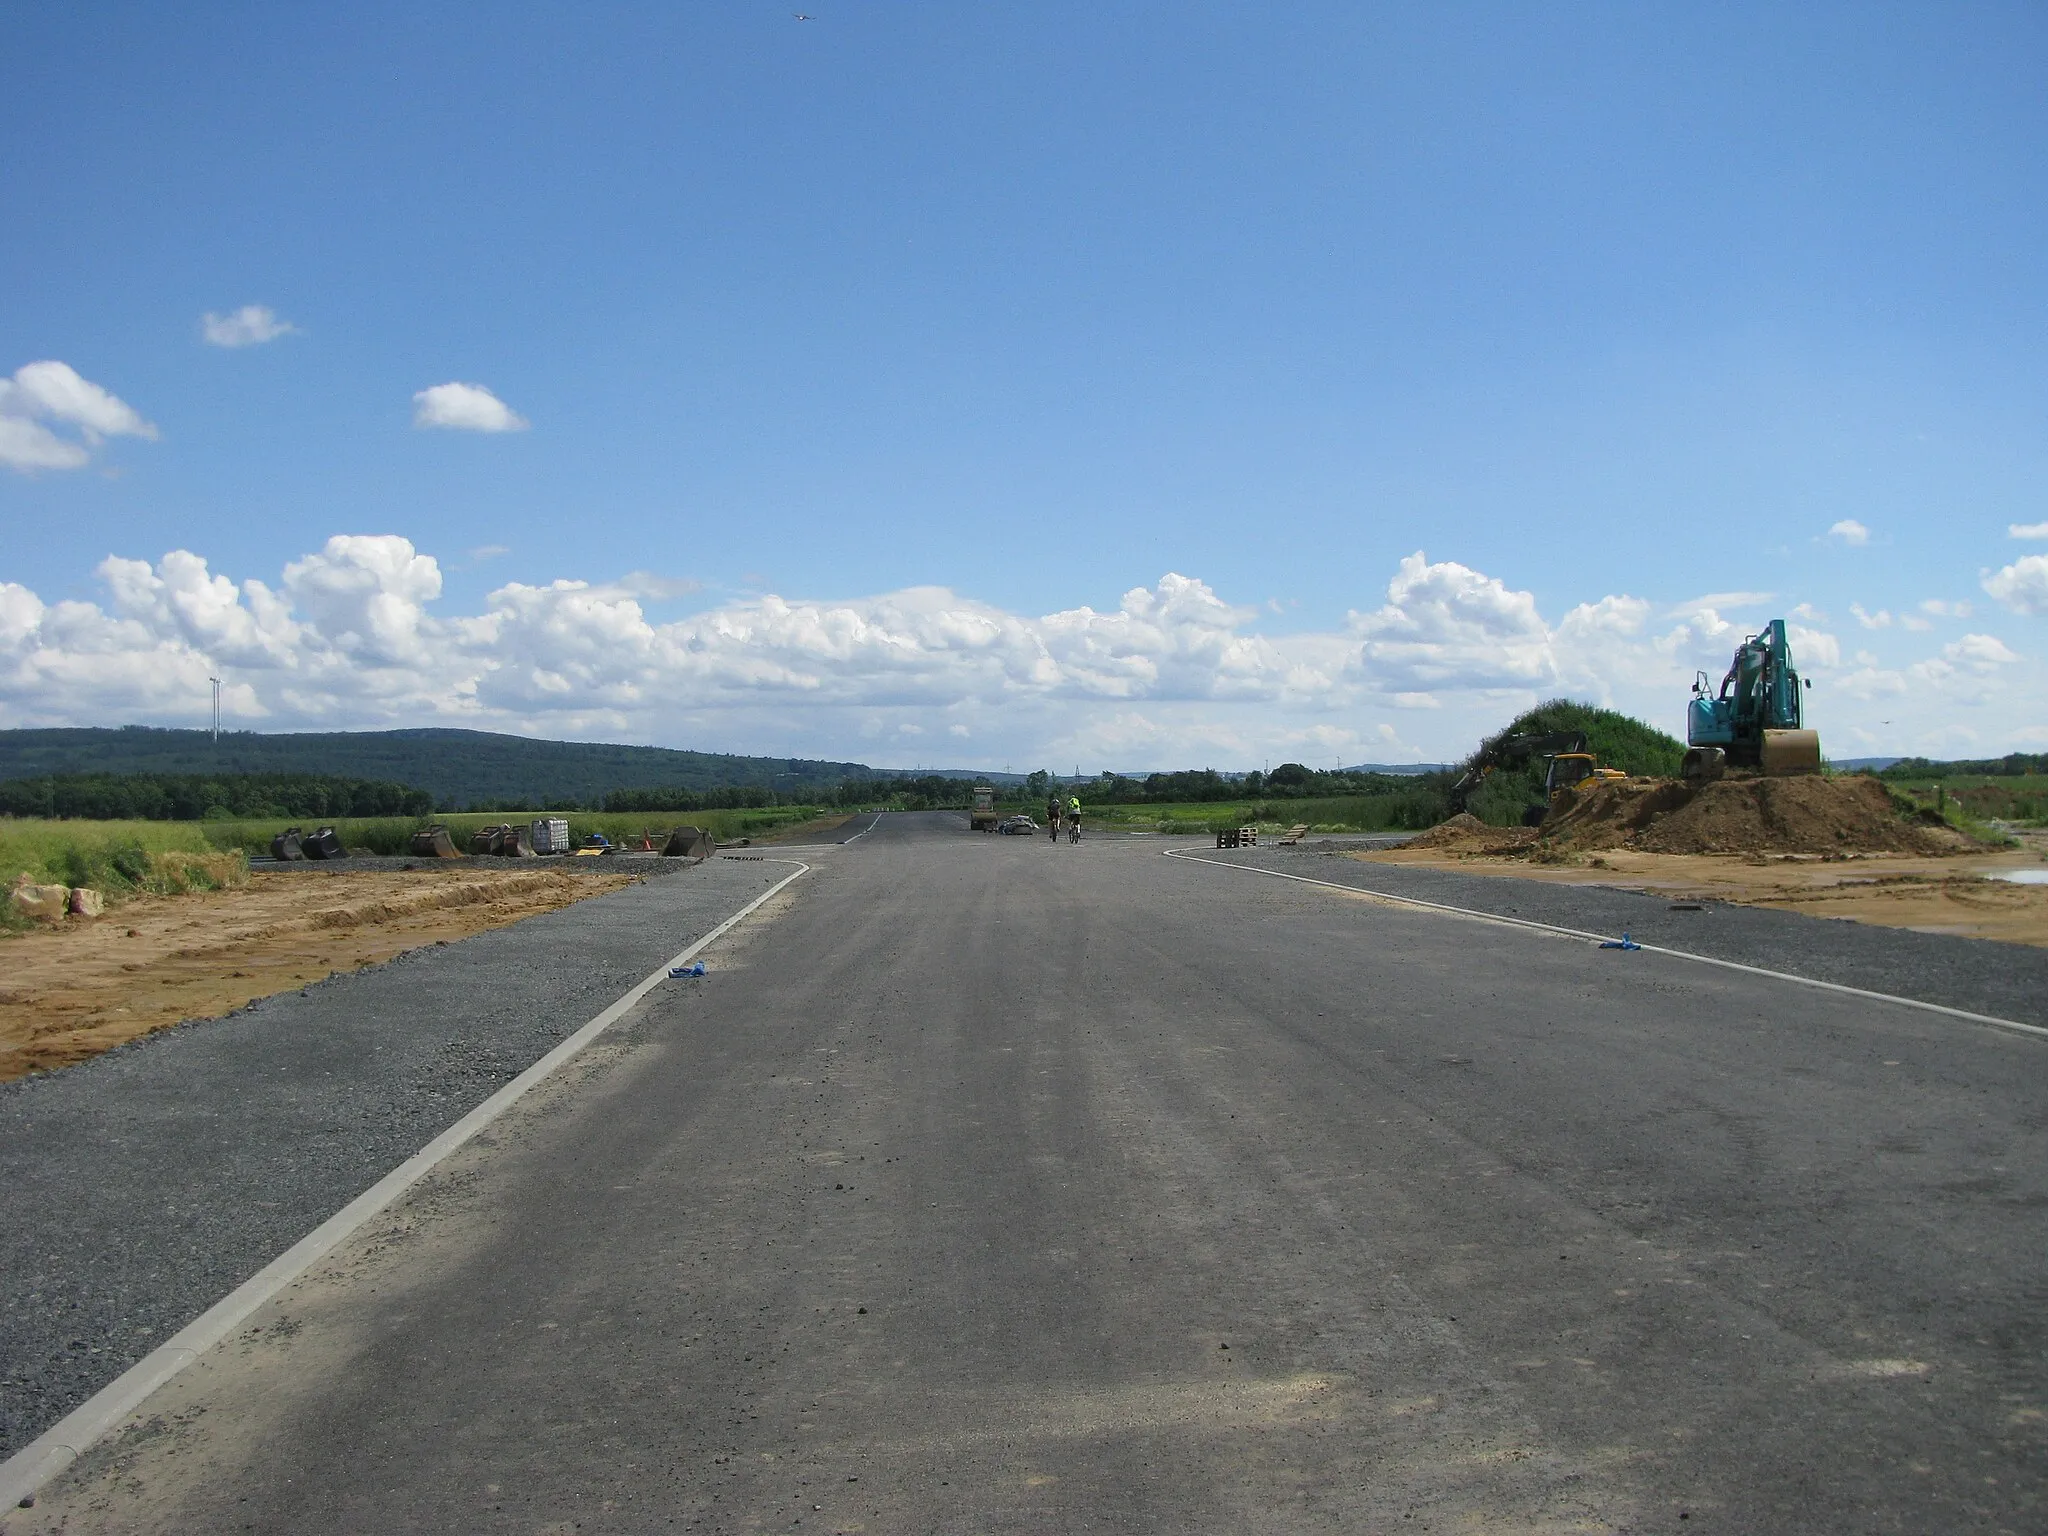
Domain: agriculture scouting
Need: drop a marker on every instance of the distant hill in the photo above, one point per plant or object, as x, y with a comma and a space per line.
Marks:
458, 768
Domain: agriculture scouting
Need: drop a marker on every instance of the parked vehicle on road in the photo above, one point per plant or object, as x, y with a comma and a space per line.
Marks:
983, 817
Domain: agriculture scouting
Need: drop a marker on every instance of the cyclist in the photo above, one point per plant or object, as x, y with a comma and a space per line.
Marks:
1074, 819
1052, 816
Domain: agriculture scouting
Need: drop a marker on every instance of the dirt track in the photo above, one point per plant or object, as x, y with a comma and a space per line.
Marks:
85, 987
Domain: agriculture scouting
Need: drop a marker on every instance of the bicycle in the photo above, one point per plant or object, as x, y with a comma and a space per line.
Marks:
1073, 829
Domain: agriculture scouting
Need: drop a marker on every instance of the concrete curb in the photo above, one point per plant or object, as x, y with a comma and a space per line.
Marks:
70, 1437
1995, 1022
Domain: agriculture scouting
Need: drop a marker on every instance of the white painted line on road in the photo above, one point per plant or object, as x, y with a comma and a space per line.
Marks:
807, 847
1648, 949
68, 1439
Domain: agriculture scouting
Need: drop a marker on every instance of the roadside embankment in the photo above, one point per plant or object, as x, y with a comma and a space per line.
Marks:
77, 988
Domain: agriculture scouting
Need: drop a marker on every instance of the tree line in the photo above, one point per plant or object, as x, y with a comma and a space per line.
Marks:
2014, 765
207, 797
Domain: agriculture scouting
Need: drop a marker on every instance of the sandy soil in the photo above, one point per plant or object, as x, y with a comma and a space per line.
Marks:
72, 991
1953, 895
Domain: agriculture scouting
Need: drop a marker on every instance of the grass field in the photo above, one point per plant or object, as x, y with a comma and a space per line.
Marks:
391, 834
118, 857
1334, 813
1983, 797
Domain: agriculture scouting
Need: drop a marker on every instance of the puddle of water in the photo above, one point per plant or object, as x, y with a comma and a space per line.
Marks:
2022, 876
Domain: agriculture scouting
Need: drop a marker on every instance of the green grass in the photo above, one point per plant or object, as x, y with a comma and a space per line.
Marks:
1983, 797
72, 852
392, 834
116, 858
1334, 813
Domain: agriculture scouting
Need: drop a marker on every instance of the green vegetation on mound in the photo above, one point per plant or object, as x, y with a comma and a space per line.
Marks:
1617, 740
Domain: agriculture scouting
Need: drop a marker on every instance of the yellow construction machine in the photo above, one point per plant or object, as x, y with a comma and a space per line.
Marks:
1570, 768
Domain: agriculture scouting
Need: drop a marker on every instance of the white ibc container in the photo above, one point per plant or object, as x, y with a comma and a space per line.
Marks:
551, 835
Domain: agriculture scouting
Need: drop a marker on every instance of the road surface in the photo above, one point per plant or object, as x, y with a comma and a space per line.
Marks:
989, 1185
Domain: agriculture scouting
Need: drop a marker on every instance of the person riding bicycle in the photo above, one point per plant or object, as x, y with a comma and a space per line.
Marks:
1052, 816
1074, 818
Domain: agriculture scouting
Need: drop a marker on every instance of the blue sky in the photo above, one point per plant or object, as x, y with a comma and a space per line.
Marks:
873, 374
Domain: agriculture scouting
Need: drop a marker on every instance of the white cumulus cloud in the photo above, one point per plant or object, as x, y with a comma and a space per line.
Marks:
1850, 532
2022, 586
2026, 530
249, 326
42, 398
358, 634
1446, 625
465, 408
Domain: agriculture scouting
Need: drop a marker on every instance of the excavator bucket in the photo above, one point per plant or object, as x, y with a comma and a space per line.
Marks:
1703, 765
689, 843
434, 843
1791, 752
324, 844
285, 847
514, 842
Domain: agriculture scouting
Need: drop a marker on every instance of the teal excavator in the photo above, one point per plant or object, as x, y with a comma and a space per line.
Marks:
1756, 719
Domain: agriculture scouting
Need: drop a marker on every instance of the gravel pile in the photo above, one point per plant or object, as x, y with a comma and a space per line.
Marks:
140, 1187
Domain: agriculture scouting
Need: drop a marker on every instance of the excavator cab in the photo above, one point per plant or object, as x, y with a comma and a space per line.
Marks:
1575, 771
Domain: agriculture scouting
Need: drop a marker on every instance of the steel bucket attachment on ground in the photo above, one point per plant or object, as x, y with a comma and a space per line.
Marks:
324, 844
689, 843
285, 847
514, 842
434, 843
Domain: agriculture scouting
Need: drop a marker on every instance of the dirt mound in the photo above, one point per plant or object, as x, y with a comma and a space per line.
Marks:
1466, 833
1800, 814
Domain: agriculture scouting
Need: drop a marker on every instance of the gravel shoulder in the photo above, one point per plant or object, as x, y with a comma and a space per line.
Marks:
2008, 981
139, 1187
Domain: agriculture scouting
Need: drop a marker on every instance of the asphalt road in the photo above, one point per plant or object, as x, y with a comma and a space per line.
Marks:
991, 1185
